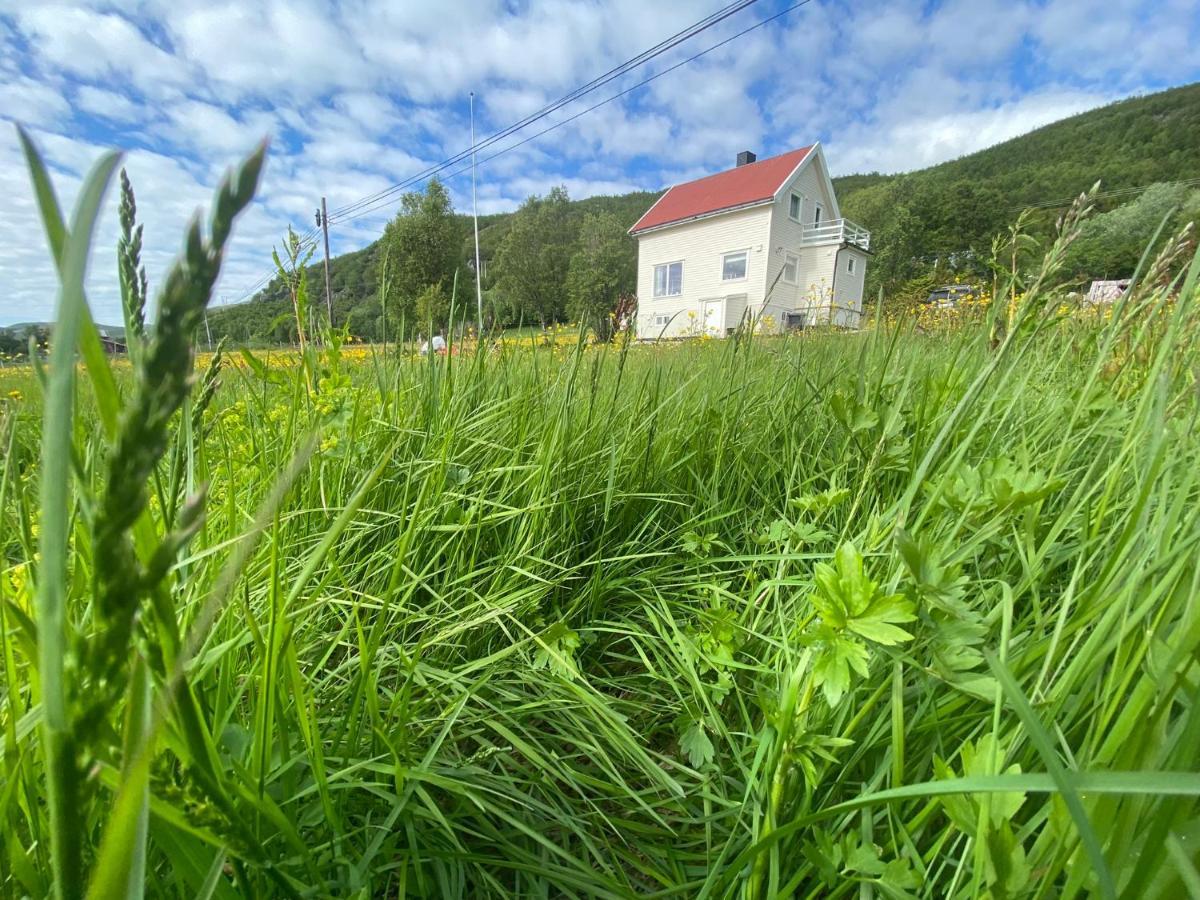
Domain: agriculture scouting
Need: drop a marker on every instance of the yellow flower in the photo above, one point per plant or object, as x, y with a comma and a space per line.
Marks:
15, 395
20, 587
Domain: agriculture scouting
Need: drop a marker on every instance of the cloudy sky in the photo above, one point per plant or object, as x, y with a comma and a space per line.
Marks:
359, 95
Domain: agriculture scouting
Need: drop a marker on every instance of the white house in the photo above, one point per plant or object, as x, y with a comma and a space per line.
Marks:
762, 243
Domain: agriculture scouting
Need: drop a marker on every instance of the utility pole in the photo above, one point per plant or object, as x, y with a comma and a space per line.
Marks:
475, 216
323, 221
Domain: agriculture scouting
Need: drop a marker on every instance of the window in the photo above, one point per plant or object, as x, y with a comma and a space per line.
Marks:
733, 265
790, 263
661, 319
817, 210
794, 207
668, 280
851, 265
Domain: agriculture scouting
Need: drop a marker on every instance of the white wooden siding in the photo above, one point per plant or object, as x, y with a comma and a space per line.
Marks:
701, 245
814, 283
848, 289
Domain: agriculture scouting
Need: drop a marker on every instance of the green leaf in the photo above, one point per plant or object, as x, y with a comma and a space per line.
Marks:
694, 742
1065, 781
57, 449
940, 585
556, 650
877, 622
698, 544
855, 415
847, 599
863, 859
816, 504
832, 662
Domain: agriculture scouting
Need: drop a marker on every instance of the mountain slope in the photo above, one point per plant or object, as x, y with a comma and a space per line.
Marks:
915, 217
959, 205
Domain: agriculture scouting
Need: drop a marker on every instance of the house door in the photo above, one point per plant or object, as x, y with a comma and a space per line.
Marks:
712, 316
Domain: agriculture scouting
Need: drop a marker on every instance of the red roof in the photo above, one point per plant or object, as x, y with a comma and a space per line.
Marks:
741, 186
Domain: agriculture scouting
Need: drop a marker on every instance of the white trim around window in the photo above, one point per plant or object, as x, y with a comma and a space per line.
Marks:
796, 207
851, 265
791, 262
668, 279
818, 212
735, 265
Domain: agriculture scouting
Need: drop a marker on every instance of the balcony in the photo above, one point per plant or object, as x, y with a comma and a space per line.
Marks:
836, 231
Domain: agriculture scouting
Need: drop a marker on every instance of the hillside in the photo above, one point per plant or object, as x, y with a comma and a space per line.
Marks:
918, 218
959, 205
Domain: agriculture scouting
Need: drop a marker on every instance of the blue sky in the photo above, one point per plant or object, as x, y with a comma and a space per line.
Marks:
359, 95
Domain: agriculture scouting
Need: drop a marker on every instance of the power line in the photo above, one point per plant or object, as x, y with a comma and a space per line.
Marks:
596, 83
384, 202
1103, 195
305, 243
366, 205
643, 57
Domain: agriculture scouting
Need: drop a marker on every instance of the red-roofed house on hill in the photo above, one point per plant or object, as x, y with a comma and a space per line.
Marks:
762, 243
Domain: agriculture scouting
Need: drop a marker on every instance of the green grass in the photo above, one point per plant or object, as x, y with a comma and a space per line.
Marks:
881, 614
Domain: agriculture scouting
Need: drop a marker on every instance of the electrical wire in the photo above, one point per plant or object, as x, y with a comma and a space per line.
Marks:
581, 91
371, 203
1103, 195
594, 107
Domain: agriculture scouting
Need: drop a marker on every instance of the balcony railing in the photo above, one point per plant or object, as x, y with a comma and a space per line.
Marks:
837, 231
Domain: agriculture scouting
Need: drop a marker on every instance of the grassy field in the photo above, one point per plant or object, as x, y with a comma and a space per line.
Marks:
887, 614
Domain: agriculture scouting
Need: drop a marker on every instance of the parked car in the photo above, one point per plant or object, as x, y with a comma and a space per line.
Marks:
951, 295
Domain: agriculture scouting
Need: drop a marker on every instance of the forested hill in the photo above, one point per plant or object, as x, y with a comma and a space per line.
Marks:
949, 211
959, 205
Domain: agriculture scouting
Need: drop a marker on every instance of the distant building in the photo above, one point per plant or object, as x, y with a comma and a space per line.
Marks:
112, 343
763, 241
1106, 291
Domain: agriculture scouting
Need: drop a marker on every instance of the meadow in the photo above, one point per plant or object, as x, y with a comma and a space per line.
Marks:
907, 612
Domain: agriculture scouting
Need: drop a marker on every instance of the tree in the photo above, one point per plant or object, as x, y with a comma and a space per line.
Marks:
603, 268
532, 260
423, 244
11, 344
898, 242
432, 306
1110, 244
364, 321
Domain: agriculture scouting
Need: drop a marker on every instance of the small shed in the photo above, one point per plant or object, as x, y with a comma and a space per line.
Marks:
1106, 291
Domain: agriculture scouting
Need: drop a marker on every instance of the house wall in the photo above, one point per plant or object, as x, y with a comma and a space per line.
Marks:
815, 278
700, 246
848, 289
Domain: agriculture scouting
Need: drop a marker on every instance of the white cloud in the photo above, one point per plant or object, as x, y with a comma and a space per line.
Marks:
97, 45
108, 104
208, 128
275, 49
1120, 40
917, 141
32, 102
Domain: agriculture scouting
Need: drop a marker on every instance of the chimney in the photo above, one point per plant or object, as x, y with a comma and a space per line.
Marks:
745, 158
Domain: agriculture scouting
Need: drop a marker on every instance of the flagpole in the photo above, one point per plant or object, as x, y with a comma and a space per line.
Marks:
475, 216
